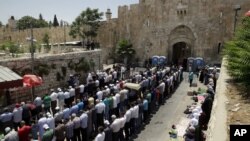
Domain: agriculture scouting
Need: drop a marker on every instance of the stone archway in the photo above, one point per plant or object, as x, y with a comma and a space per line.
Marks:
181, 44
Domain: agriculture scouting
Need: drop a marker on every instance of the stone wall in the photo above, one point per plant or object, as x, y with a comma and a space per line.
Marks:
54, 64
150, 23
56, 35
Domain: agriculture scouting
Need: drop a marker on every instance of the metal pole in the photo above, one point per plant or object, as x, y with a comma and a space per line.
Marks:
64, 33
99, 61
236, 8
235, 19
32, 60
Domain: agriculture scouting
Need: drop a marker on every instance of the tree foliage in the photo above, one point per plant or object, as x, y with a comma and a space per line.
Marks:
86, 24
55, 21
46, 40
237, 52
26, 22
1, 24
11, 47
125, 50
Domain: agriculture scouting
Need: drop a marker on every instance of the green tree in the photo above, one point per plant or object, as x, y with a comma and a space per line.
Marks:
42, 22
41, 17
1, 24
46, 41
55, 21
237, 52
50, 24
125, 50
86, 24
11, 46
25, 23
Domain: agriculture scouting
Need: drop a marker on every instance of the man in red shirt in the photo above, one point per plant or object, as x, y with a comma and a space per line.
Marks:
24, 131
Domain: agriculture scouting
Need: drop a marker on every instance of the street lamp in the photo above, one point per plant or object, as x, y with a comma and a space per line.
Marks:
236, 9
32, 40
64, 31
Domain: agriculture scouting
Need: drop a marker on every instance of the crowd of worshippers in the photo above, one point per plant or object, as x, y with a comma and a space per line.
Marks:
104, 110
200, 113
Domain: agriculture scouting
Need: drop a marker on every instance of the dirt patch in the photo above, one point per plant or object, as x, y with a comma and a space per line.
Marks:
238, 106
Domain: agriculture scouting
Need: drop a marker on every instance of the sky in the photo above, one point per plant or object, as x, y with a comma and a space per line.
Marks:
66, 10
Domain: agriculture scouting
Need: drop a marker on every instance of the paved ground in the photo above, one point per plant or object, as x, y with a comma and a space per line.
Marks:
168, 114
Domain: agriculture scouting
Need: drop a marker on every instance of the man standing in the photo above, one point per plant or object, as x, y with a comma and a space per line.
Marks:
115, 126
101, 135
60, 131
76, 121
53, 97
60, 97
38, 102
17, 115
58, 115
42, 121
72, 94
11, 135
47, 102
69, 130
24, 132
26, 113
84, 125
49, 133
81, 91
100, 107
67, 98
191, 76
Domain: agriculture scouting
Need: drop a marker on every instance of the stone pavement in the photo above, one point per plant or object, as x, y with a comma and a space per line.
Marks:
170, 113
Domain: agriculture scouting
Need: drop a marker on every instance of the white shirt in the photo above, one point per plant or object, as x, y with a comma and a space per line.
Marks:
193, 122
135, 111
41, 122
53, 96
128, 115
100, 107
66, 95
58, 116
17, 114
123, 121
115, 74
108, 91
115, 126
61, 96
97, 83
51, 122
117, 96
125, 92
84, 120
114, 102
81, 88
99, 95
100, 137
38, 101
72, 92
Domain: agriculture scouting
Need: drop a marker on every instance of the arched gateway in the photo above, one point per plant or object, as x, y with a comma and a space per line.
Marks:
181, 44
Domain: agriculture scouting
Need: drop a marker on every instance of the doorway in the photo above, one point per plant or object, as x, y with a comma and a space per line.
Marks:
180, 51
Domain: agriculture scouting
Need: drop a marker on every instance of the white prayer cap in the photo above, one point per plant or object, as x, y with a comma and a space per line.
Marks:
7, 129
45, 126
106, 122
113, 116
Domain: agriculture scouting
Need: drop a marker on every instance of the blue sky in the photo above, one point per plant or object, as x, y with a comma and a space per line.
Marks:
66, 10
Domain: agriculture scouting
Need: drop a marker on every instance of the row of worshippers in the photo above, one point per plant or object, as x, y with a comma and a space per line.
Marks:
206, 74
200, 115
112, 105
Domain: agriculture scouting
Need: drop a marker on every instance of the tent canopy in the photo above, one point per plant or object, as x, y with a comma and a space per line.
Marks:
9, 79
30, 80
